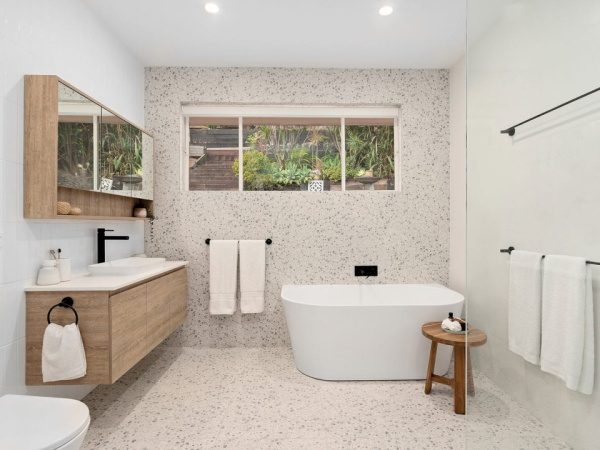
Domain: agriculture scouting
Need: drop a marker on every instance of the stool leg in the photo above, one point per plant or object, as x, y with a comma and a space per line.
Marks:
459, 380
470, 384
431, 367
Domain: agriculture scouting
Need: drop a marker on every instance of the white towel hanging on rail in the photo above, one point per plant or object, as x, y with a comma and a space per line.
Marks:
252, 276
567, 322
223, 277
525, 305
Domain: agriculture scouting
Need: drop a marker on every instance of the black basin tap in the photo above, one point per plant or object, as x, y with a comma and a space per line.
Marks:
102, 238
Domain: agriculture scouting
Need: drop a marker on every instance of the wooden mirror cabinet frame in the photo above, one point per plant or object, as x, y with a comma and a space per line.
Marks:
40, 178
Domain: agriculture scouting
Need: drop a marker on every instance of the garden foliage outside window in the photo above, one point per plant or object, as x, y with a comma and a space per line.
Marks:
291, 153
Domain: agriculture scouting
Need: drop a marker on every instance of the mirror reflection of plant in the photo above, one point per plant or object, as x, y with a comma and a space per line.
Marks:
75, 145
121, 150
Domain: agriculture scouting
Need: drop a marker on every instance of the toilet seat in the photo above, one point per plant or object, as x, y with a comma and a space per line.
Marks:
40, 423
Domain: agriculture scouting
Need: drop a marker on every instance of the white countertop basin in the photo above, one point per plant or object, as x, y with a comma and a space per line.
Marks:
87, 282
126, 266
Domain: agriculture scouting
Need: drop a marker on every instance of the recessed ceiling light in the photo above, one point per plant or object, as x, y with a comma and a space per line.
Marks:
212, 8
385, 10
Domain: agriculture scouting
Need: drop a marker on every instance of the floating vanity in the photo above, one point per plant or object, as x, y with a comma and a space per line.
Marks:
121, 317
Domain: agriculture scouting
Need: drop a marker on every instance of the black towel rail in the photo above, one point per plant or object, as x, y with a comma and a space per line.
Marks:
510, 249
511, 130
66, 302
267, 241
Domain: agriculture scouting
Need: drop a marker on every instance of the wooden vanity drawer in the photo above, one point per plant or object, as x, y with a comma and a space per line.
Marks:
92, 308
118, 328
158, 312
128, 329
177, 283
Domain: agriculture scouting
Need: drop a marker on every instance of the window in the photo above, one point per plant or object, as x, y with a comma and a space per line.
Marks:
279, 148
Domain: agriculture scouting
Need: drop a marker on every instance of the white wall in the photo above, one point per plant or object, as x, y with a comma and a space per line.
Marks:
538, 191
458, 176
61, 38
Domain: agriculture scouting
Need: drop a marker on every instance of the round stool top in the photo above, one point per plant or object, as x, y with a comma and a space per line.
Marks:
433, 331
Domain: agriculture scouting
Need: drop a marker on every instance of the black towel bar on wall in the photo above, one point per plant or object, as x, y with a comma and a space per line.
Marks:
511, 130
510, 249
66, 302
267, 241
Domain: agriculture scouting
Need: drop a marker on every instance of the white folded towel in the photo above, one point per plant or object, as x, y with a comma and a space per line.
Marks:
63, 355
567, 322
252, 276
223, 276
525, 305
450, 325
586, 382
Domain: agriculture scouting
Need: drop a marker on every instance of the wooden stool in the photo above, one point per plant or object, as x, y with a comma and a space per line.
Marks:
461, 344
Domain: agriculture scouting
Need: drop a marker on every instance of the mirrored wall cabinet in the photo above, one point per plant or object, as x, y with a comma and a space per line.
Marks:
80, 152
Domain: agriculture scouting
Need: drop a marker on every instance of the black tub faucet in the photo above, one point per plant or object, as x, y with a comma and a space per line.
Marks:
102, 238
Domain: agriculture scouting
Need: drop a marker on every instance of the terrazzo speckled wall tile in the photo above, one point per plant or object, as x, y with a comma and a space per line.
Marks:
317, 237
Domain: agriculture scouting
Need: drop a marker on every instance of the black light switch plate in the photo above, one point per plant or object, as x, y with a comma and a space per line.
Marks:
365, 271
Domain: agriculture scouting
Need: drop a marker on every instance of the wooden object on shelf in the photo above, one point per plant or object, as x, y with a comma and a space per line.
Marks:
142, 213
463, 373
40, 177
75, 211
101, 204
118, 328
63, 208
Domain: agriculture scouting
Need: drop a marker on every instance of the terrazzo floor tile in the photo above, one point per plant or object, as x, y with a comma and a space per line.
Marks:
187, 398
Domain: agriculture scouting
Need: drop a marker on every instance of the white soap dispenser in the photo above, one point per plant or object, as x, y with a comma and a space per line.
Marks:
48, 274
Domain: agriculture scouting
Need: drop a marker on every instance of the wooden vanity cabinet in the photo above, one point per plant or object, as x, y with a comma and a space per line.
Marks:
118, 328
128, 329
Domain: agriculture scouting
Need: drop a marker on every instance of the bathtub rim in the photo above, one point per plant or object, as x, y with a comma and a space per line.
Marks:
460, 297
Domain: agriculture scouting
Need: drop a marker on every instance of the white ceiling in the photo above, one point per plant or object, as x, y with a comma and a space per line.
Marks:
289, 33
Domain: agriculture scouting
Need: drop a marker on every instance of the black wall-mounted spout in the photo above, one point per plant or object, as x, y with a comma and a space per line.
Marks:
102, 238
365, 271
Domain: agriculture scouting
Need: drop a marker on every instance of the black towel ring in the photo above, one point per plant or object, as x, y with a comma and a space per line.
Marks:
66, 302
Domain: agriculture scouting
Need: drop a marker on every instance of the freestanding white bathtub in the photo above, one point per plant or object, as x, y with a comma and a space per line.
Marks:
367, 332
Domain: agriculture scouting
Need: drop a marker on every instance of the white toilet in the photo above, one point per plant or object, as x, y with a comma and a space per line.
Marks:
42, 423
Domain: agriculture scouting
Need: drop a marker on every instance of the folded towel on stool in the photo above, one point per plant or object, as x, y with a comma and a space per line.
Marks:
450, 325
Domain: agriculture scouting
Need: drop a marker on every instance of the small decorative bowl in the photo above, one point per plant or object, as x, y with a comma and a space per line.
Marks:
140, 212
